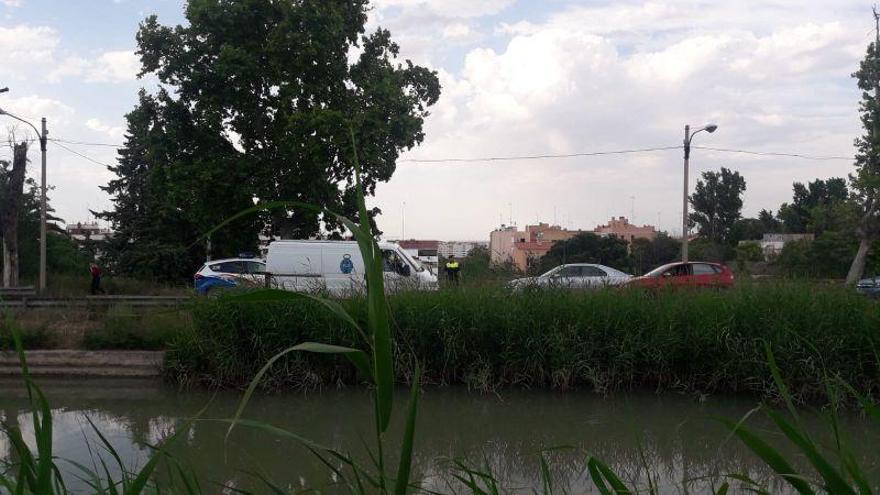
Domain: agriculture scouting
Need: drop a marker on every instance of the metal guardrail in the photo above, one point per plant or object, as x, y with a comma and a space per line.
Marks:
93, 301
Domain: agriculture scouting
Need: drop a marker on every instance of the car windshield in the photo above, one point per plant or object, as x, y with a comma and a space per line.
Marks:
551, 272
414, 262
656, 272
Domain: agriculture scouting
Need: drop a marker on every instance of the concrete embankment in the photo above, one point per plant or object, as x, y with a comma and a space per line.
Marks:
75, 363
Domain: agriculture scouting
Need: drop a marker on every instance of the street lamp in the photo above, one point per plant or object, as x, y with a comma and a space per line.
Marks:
44, 137
688, 137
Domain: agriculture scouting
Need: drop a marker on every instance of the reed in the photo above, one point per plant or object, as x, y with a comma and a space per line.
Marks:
606, 341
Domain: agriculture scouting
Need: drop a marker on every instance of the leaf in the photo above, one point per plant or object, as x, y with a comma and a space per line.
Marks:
600, 473
406, 448
834, 482
357, 357
380, 326
770, 456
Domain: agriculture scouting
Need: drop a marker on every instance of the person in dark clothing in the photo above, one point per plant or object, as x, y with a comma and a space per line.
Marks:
95, 272
452, 269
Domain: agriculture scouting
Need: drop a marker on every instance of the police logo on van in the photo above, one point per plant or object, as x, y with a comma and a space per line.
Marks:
346, 266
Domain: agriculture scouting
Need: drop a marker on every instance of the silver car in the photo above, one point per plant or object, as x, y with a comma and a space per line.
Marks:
869, 286
574, 276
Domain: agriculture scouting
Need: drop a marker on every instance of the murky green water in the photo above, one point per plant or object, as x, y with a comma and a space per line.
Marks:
672, 437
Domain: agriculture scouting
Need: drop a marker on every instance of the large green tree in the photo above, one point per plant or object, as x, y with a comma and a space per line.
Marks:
282, 83
717, 204
865, 180
799, 216
155, 217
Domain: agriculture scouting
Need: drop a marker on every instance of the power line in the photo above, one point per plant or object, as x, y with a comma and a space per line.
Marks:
536, 157
83, 143
546, 156
770, 153
77, 153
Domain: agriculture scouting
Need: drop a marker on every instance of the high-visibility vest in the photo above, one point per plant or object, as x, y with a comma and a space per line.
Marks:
452, 266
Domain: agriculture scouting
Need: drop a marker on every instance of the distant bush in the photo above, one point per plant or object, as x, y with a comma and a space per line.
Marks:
31, 338
707, 341
125, 329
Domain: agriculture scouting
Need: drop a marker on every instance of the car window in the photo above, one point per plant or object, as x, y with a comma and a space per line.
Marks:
569, 271
703, 269
254, 267
677, 271
592, 271
227, 267
391, 261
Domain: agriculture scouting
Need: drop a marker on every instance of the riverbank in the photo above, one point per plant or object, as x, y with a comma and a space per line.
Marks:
699, 342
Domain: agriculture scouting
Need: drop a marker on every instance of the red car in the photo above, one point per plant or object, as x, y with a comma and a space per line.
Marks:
690, 274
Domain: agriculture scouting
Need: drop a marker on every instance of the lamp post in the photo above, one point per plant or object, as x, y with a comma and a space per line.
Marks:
44, 137
688, 137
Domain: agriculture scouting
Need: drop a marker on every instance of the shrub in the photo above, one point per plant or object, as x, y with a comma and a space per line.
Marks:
707, 341
125, 329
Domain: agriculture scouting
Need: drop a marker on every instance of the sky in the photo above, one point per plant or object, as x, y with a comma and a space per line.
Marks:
520, 78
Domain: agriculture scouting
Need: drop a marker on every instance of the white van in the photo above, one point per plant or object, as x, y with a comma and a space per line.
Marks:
338, 268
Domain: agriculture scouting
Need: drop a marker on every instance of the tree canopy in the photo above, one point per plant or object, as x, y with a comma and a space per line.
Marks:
717, 203
587, 248
865, 180
797, 217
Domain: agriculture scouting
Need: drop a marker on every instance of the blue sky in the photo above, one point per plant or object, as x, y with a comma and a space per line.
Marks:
520, 77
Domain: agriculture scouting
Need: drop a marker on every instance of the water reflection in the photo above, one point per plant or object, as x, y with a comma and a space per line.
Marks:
670, 438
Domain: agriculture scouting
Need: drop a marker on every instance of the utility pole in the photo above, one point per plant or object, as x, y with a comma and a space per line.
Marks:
684, 200
688, 137
44, 137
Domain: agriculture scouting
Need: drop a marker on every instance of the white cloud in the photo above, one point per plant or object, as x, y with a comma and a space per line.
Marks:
33, 108
11, 3
115, 66
447, 8
116, 132
25, 49
108, 67
457, 30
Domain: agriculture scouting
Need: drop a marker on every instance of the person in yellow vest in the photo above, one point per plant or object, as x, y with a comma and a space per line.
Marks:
452, 269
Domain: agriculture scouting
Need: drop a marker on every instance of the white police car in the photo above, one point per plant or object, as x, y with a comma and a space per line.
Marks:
227, 273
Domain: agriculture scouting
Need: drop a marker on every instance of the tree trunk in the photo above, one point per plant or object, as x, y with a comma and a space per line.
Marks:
9, 212
7, 265
857, 269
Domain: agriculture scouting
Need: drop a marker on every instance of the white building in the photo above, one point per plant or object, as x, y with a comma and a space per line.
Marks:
459, 249
88, 231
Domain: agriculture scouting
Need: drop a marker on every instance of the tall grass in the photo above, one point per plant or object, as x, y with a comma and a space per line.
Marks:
691, 341
122, 327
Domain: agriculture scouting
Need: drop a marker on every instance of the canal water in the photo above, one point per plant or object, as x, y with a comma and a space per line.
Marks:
672, 440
